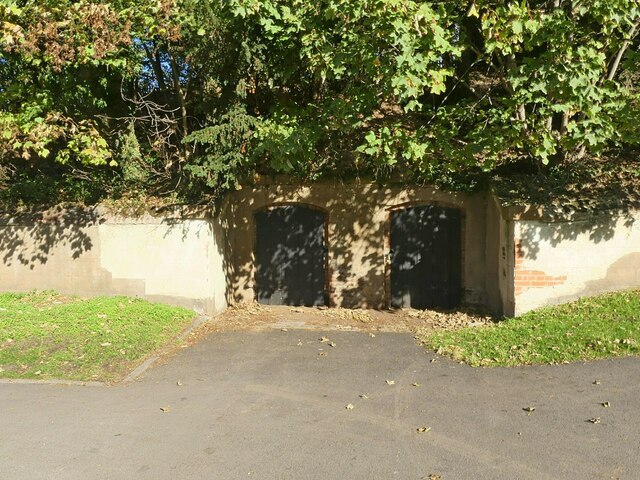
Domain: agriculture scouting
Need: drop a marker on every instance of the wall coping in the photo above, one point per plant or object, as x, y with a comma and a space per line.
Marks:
99, 215
557, 215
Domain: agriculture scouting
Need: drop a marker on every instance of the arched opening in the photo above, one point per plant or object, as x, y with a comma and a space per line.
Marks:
290, 254
426, 257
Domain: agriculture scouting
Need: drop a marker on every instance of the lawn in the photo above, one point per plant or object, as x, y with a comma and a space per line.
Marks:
46, 335
596, 327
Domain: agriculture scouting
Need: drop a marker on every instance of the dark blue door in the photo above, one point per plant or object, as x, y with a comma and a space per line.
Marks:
290, 256
426, 256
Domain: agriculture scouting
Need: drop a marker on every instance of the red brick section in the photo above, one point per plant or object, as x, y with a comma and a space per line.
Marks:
526, 279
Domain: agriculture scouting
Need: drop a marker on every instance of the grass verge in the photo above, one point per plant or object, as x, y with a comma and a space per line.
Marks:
46, 335
596, 327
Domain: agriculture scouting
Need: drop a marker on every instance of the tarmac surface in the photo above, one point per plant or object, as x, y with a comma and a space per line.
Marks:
273, 405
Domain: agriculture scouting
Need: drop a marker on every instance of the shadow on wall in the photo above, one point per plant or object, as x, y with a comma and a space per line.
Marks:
30, 238
349, 239
360, 241
622, 274
290, 256
354, 250
600, 227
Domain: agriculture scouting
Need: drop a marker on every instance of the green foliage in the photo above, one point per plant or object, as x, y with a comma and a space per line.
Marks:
606, 183
597, 327
194, 97
224, 147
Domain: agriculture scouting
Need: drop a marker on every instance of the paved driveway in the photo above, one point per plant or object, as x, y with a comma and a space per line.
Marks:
269, 405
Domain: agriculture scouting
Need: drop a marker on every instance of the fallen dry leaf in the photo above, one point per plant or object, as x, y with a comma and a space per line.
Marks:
179, 383
390, 382
164, 409
363, 395
423, 429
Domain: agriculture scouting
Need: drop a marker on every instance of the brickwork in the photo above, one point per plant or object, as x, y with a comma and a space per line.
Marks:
525, 279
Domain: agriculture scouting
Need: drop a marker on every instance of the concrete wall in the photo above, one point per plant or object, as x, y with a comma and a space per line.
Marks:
557, 259
514, 259
499, 255
84, 252
357, 236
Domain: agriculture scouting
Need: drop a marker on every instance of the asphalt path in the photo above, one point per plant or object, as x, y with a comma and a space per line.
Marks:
286, 405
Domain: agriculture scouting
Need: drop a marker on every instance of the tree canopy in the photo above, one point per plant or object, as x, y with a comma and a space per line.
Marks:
192, 97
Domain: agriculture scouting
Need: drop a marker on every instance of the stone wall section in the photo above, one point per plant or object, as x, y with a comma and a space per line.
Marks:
179, 261
564, 258
357, 216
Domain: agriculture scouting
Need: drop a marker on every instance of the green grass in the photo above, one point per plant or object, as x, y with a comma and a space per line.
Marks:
596, 327
46, 335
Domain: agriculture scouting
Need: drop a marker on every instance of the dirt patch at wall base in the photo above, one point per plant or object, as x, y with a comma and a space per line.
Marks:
253, 316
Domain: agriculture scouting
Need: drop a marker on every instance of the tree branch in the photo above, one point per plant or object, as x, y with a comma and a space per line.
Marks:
616, 63
177, 86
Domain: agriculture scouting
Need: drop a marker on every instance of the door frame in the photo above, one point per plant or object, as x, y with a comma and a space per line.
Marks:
328, 298
387, 241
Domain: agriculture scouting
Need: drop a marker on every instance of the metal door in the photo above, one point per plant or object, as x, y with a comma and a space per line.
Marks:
426, 257
290, 256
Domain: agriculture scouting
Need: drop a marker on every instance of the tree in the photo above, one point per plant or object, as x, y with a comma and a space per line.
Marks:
422, 84
192, 96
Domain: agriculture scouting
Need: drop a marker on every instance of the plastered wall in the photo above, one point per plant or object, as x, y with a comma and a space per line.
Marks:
557, 260
357, 217
84, 252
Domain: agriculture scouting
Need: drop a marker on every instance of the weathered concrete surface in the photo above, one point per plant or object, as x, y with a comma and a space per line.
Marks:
259, 405
557, 260
85, 252
358, 238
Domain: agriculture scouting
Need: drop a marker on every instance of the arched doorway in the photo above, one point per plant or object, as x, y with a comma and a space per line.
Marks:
426, 257
290, 256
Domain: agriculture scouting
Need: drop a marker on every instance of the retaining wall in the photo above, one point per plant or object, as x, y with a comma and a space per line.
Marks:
514, 259
85, 252
357, 217
557, 258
